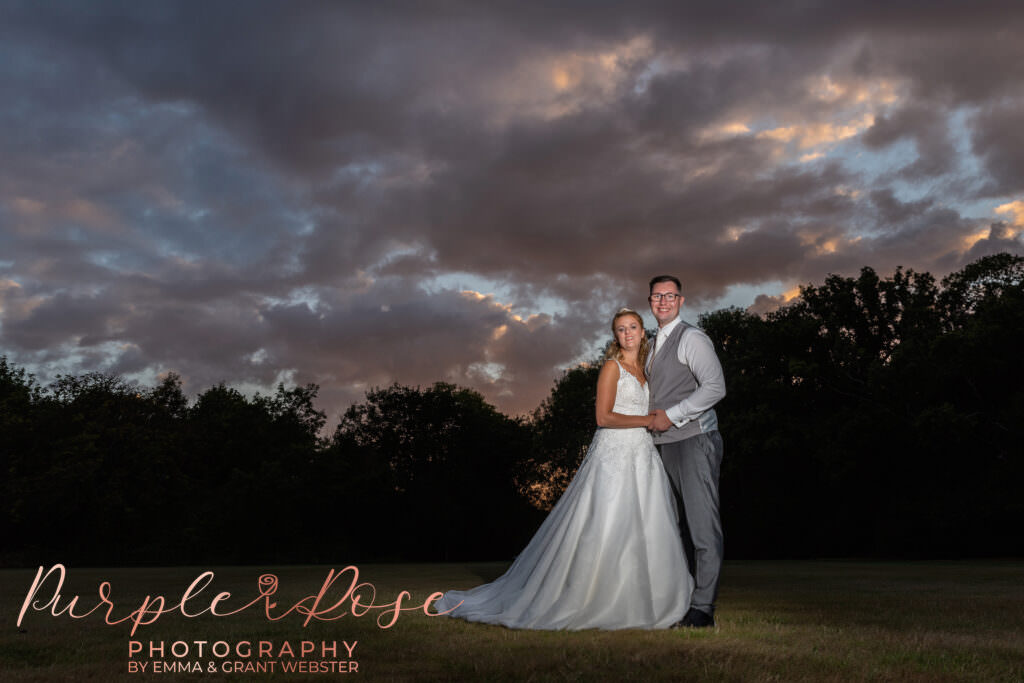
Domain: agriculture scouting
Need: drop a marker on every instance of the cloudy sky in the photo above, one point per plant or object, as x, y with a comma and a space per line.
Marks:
358, 193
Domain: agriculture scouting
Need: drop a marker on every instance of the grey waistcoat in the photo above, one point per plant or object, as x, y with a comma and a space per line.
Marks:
671, 381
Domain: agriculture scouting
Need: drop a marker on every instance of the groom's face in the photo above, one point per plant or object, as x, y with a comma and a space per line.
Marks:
664, 310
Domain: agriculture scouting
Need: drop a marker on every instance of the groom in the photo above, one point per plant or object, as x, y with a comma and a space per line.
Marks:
686, 381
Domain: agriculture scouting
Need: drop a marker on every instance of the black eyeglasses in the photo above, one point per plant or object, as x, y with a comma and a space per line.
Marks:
670, 297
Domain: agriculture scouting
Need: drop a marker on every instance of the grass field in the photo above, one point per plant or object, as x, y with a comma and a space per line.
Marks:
777, 621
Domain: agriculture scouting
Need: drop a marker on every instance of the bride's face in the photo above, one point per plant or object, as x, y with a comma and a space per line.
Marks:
628, 332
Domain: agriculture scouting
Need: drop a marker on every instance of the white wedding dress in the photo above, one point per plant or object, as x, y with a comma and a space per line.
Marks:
609, 554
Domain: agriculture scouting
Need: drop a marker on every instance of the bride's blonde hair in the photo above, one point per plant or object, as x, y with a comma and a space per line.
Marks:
615, 351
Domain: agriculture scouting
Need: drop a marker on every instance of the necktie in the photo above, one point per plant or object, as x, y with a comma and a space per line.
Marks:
650, 358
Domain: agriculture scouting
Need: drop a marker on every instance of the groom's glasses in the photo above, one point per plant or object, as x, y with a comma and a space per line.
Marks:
667, 297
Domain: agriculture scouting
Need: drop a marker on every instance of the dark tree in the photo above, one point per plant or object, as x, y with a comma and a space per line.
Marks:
563, 427
874, 416
453, 462
877, 416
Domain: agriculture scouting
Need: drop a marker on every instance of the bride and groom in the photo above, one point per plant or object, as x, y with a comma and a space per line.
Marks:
636, 540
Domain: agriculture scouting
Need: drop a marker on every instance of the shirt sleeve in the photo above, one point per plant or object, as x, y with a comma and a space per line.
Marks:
697, 352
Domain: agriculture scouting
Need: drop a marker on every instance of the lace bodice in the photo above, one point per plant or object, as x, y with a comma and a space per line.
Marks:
631, 398
617, 450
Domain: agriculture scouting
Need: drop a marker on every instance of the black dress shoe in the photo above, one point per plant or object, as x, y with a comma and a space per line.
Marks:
696, 618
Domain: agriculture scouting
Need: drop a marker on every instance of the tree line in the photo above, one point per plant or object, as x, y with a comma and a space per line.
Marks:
872, 417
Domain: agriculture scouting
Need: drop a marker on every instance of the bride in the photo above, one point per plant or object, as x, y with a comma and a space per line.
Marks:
609, 554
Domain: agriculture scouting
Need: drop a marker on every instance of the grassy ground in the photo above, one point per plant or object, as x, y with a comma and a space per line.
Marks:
777, 621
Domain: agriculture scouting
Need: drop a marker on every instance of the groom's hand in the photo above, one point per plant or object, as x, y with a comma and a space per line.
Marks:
661, 421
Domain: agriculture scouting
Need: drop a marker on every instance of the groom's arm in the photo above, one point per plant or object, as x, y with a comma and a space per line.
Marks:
697, 351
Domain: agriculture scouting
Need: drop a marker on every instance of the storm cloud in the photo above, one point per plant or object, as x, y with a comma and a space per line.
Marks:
359, 193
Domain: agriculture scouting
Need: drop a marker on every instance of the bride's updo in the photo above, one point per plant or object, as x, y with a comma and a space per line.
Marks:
614, 351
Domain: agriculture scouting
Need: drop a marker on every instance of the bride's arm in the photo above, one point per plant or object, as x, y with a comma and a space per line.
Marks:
606, 383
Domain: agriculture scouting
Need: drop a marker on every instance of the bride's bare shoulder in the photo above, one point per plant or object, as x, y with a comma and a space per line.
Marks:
610, 371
